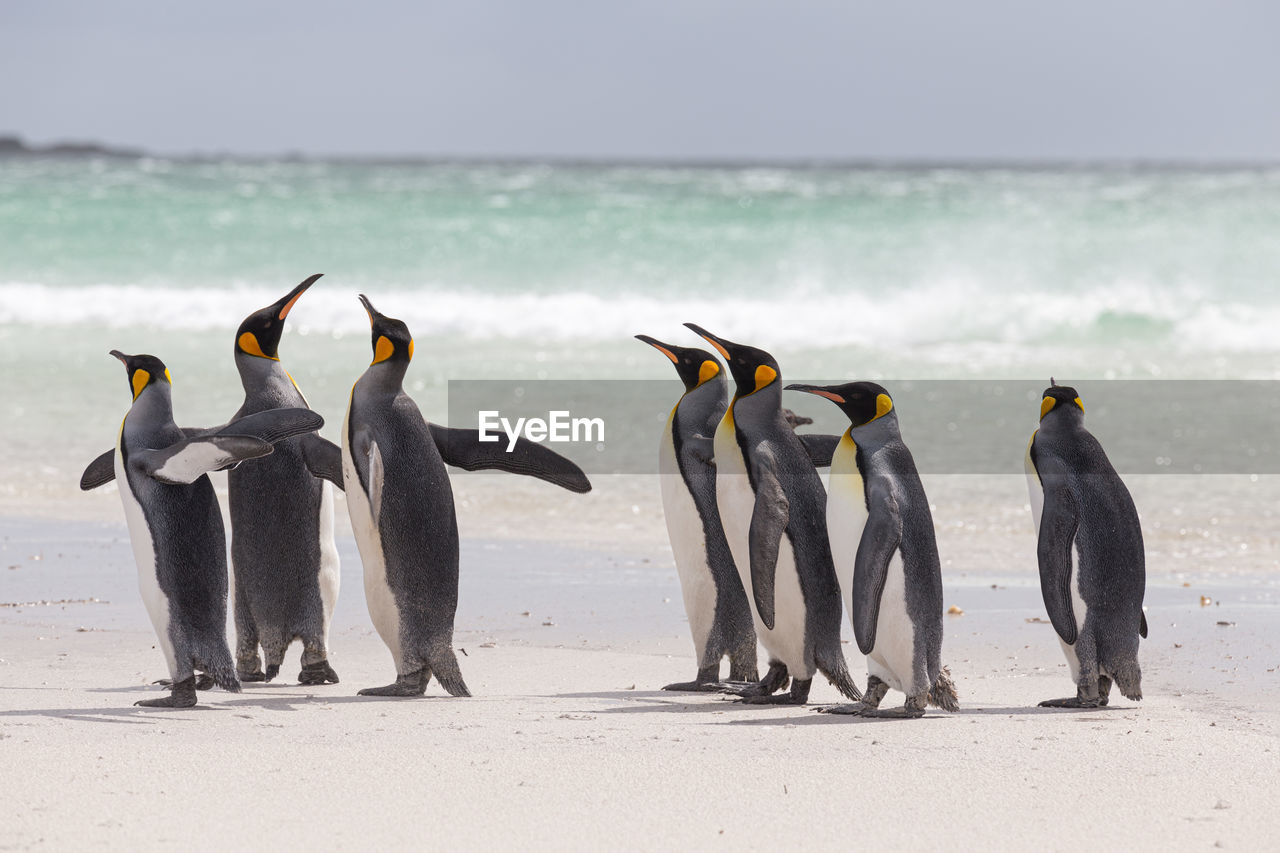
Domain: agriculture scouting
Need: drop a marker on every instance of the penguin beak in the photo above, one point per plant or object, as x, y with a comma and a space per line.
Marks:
818, 390
368, 307
285, 305
722, 346
665, 349
123, 359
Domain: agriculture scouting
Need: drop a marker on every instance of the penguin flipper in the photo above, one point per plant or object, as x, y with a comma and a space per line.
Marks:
1058, 523
769, 520
323, 459
462, 448
187, 460
819, 447
881, 537
102, 471
1142, 627
698, 451
271, 426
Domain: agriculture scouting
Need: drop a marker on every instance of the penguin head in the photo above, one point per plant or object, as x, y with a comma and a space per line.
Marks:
695, 366
863, 402
144, 371
392, 343
753, 369
1060, 398
259, 334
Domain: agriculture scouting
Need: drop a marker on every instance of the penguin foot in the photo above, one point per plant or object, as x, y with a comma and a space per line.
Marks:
256, 675
774, 699
273, 669
852, 709
317, 673
1070, 702
696, 687
750, 690
904, 713
183, 696
204, 681
412, 684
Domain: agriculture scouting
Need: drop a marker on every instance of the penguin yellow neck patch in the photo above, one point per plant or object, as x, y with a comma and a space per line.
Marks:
1046, 405
1079, 403
764, 375
383, 349
140, 380
708, 370
883, 405
248, 343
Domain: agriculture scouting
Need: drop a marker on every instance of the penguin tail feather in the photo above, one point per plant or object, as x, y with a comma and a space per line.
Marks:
1128, 678
839, 677
223, 672
943, 693
444, 666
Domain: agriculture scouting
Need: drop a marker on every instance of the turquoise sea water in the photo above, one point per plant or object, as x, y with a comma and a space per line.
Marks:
529, 270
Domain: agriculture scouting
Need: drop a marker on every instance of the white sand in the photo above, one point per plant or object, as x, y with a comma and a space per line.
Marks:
573, 748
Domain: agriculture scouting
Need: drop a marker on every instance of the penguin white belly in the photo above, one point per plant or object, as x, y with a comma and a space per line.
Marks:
892, 660
364, 523
144, 553
846, 515
329, 575
688, 544
786, 641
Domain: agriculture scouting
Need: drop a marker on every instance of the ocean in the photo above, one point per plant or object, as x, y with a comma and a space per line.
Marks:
545, 271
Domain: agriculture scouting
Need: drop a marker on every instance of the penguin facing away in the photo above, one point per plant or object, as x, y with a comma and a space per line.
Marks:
886, 555
773, 508
283, 556
1090, 551
401, 506
175, 524
714, 600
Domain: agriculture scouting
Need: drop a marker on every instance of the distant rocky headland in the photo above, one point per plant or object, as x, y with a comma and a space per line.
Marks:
14, 146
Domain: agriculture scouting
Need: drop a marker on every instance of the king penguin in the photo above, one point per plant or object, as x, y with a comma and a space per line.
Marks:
1092, 562
886, 555
714, 600
773, 509
176, 527
402, 513
283, 556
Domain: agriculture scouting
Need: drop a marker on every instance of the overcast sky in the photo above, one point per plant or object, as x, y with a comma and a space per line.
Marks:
1027, 79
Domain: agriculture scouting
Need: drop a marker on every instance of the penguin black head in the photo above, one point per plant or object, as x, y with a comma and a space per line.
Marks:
1056, 396
863, 402
753, 369
143, 370
259, 334
391, 339
694, 365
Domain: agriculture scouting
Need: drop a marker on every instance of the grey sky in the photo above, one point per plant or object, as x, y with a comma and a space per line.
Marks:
700, 79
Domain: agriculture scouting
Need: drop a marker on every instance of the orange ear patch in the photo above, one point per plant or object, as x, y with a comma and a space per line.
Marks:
383, 349
708, 370
139, 381
248, 343
764, 375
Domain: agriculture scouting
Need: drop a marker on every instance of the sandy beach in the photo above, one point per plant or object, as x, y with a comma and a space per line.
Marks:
565, 647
